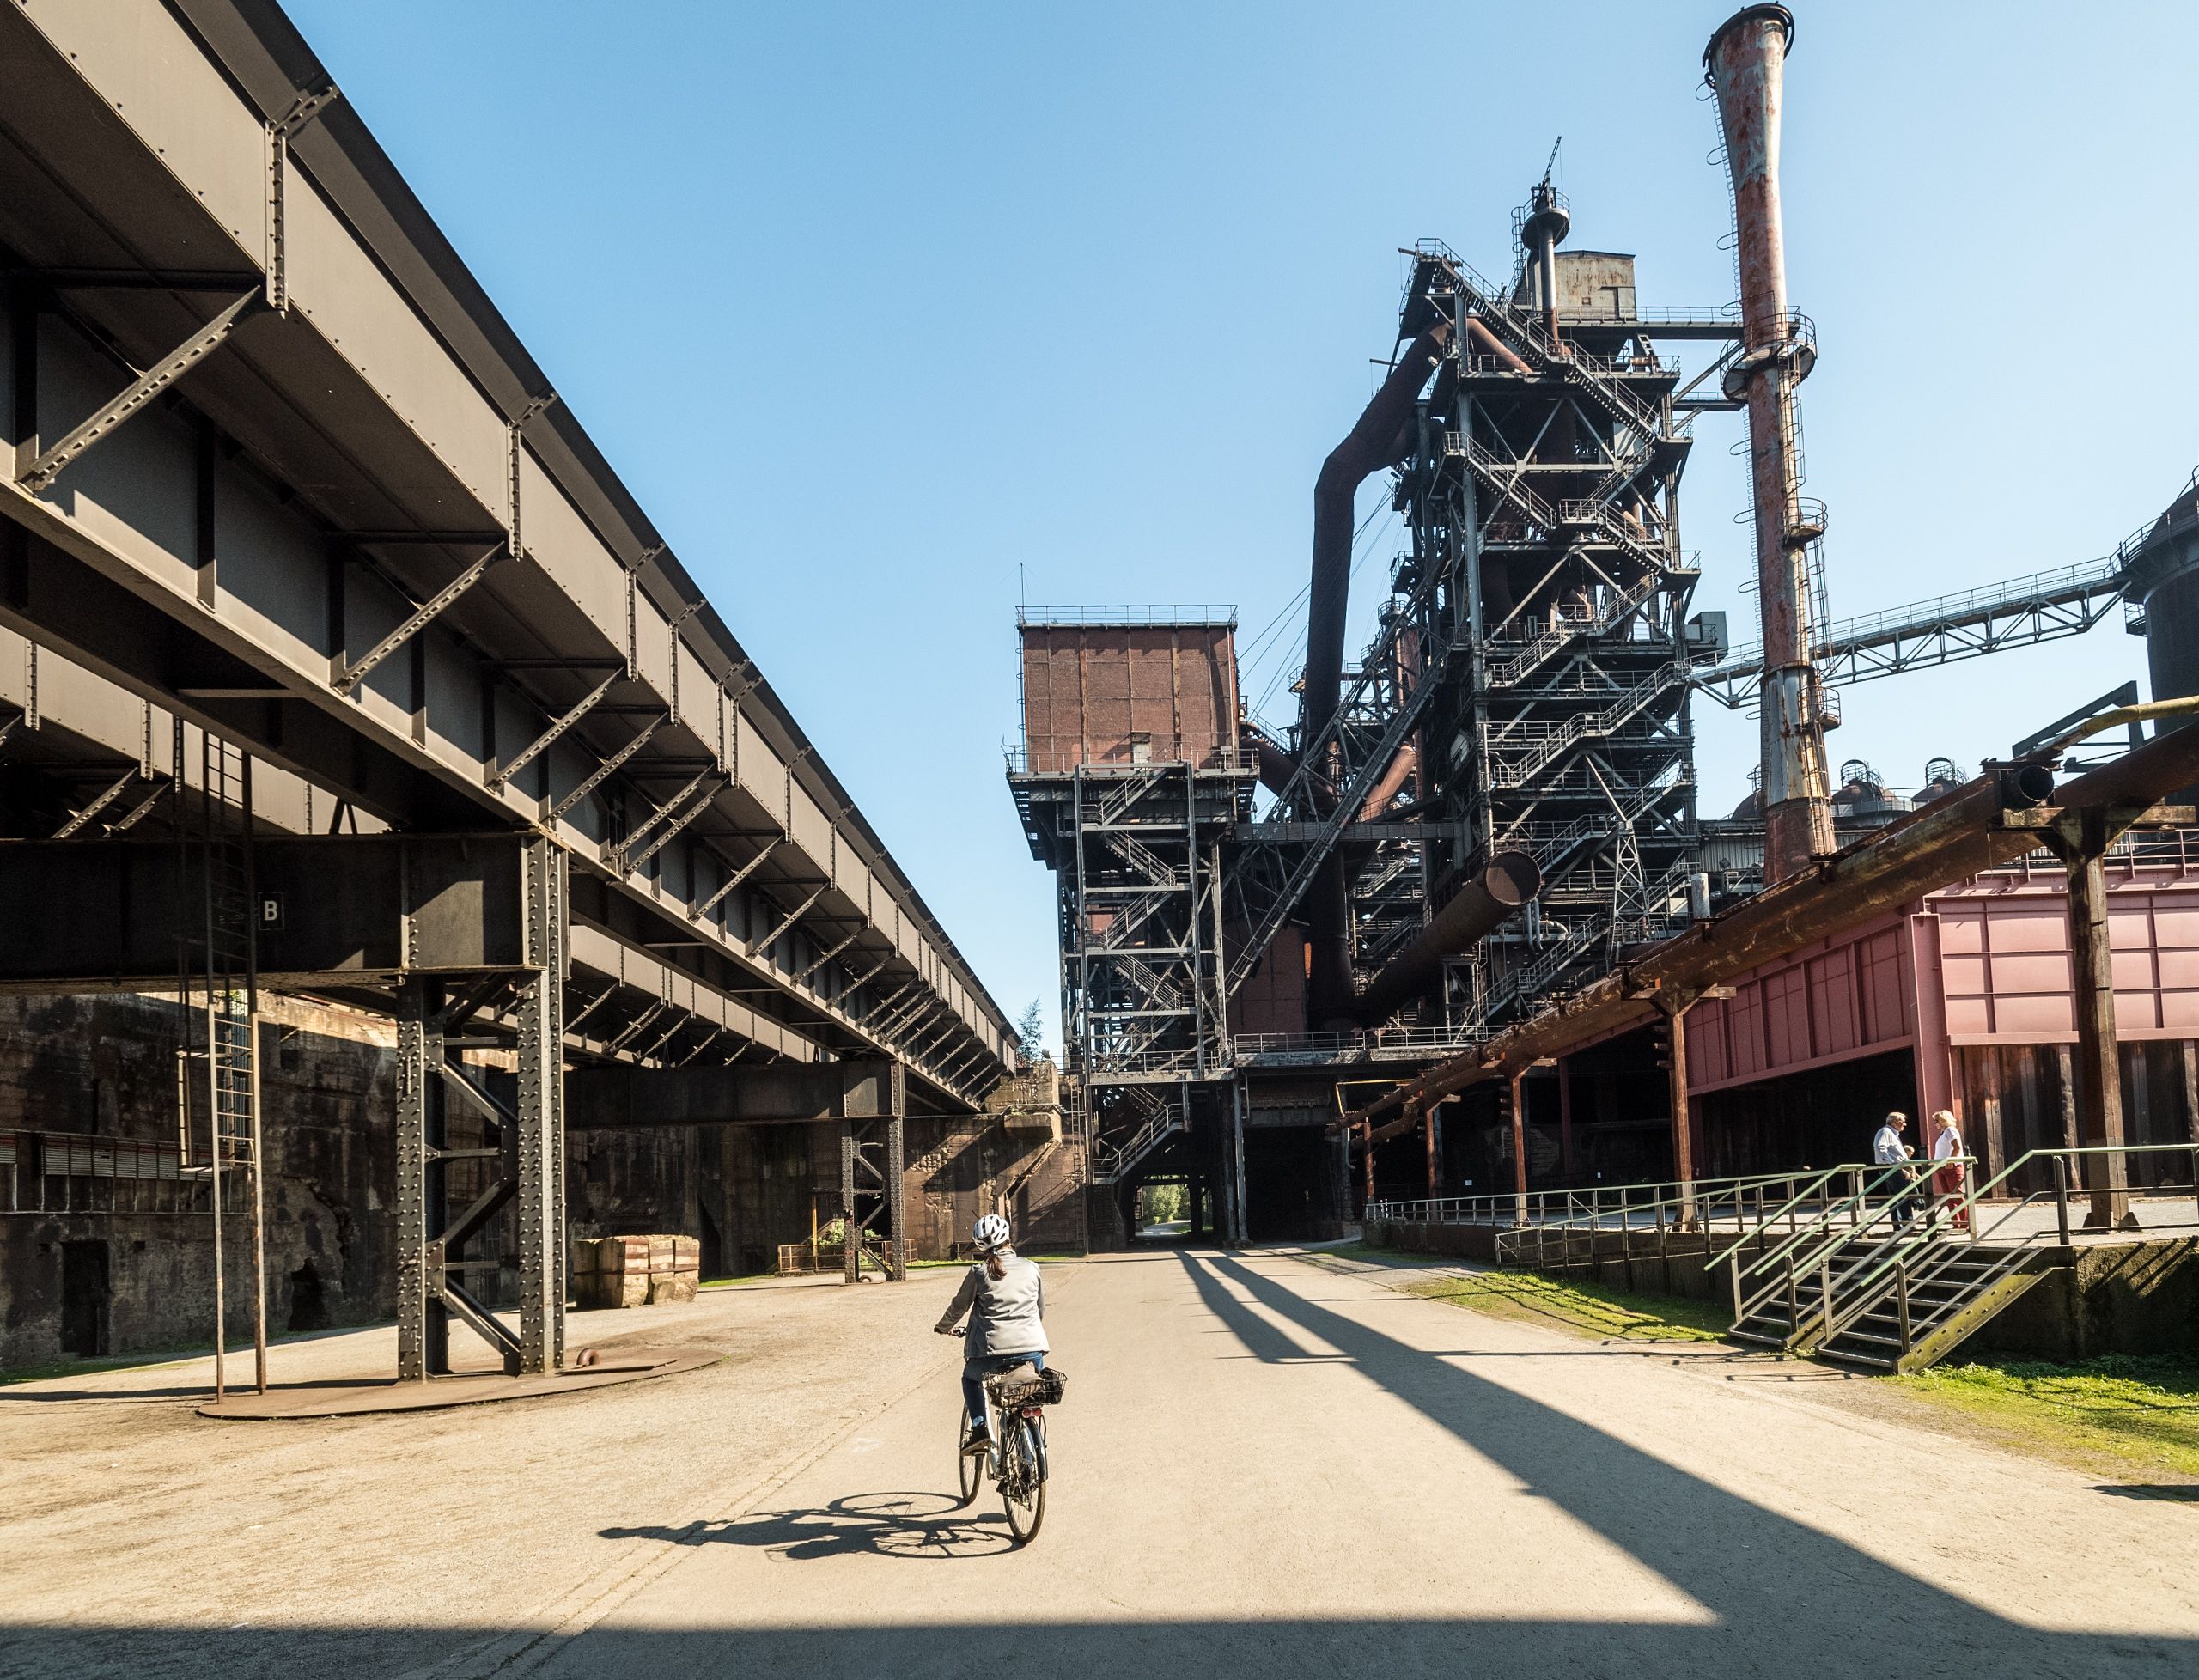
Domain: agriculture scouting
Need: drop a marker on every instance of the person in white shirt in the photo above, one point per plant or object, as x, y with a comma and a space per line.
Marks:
1948, 1180
1888, 1150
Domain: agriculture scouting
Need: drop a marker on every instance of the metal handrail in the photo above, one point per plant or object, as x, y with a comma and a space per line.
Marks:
1539, 1201
1694, 1209
1891, 1257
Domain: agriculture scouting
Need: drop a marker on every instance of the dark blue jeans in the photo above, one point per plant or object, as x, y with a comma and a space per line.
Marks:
974, 1372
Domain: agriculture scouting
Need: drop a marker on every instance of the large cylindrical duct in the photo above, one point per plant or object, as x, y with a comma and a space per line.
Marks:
1746, 64
2164, 578
1474, 910
1371, 445
1376, 441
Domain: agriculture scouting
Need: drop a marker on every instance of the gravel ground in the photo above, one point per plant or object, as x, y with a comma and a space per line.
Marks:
1265, 1468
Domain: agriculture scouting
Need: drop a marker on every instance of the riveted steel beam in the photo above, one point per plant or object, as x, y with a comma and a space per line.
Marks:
133, 398
426, 613
604, 770
541, 744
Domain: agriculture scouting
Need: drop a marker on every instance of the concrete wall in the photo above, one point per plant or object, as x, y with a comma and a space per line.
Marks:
958, 1169
107, 1065
2105, 1297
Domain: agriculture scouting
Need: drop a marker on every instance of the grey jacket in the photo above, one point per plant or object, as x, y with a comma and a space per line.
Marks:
1006, 1314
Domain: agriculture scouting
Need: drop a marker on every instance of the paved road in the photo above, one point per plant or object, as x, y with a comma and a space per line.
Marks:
1264, 1468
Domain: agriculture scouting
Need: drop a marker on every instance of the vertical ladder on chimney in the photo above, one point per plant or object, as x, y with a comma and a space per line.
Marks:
219, 993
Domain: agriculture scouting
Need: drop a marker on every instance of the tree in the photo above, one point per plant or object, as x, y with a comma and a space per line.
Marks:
1030, 1032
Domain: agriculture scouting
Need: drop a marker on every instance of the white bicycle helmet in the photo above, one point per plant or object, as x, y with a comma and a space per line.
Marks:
989, 1232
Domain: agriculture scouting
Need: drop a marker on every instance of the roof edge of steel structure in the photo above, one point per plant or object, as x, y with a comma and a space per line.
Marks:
269, 61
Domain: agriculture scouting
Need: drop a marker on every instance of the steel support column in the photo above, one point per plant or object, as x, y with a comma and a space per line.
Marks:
2080, 839
541, 1119
871, 1163
422, 1348
1432, 1129
1240, 1219
1672, 1032
1515, 1103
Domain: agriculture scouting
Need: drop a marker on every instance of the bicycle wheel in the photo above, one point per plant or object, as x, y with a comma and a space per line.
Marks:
971, 1465
1023, 1480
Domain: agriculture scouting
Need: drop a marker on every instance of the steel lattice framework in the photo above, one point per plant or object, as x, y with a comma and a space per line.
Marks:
1536, 653
1543, 502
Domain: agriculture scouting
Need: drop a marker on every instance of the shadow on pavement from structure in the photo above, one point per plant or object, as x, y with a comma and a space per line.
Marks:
2175, 1493
903, 1525
1775, 1584
185, 1392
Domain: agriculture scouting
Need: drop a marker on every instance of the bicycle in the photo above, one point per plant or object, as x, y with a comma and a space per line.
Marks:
1015, 1455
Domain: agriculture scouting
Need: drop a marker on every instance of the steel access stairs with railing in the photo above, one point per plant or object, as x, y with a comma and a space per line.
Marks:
1928, 1306
1865, 1310
1115, 1157
1859, 1284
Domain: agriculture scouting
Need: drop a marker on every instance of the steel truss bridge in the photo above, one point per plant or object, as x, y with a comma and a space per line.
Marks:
305, 570
2046, 607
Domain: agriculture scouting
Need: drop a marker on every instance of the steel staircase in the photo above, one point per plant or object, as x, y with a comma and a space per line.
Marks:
1927, 1306
1849, 1285
1112, 1161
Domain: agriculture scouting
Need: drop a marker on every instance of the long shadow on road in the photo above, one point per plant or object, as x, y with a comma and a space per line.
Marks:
1775, 1584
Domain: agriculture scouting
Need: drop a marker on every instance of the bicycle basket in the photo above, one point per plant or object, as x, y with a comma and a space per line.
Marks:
1024, 1387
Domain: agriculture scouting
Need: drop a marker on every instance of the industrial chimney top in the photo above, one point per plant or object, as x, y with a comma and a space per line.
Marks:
1778, 14
1547, 216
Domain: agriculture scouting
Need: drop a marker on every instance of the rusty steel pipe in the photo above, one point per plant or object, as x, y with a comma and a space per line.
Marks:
1483, 339
1745, 66
1475, 910
1371, 445
1379, 795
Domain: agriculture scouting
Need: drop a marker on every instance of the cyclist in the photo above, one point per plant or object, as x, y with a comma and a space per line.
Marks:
1007, 1307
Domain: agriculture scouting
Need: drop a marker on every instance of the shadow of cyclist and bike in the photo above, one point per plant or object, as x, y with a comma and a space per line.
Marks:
886, 1524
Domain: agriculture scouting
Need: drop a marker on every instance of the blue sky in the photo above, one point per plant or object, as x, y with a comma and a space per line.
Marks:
885, 312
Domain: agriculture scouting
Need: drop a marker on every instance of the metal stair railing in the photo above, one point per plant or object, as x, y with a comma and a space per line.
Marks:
1891, 1267
1129, 916
1116, 797
1139, 855
1811, 1247
1111, 1160
1566, 732
1674, 1206
1564, 632
1525, 338
1553, 1207
1574, 939
1502, 478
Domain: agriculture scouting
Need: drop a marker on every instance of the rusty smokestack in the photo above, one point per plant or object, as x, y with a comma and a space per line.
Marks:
1474, 910
1746, 65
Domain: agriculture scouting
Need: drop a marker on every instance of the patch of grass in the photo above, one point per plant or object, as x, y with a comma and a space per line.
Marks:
1613, 1314
1367, 1254
2131, 1409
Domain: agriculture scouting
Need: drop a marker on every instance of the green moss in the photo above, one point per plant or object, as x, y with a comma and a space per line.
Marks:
2129, 1408
1614, 1314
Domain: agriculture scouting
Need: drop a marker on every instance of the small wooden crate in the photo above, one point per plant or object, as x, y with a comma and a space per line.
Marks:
635, 1271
